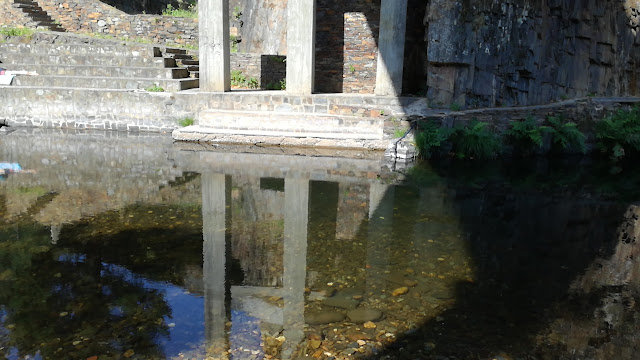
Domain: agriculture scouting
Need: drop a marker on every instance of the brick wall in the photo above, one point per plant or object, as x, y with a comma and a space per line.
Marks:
346, 45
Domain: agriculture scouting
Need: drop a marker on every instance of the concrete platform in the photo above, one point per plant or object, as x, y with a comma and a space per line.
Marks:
291, 124
51, 81
103, 60
103, 71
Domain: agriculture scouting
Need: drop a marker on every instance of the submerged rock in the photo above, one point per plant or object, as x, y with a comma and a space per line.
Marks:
323, 317
341, 302
363, 315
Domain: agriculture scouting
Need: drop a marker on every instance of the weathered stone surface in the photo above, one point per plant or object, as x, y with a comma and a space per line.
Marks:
487, 53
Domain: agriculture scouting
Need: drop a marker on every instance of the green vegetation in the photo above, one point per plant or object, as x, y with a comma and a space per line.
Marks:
238, 78
430, 138
234, 43
399, 132
155, 88
281, 85
186, 122
11, 31
619, 134
352, 69
565, 135
455, 107
252, 83
475, 141
190, 12
526, 136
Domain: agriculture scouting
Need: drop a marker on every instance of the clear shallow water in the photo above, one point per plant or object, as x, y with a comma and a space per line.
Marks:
128, 247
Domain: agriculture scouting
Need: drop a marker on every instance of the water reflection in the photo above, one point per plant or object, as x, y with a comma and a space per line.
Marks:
133, 248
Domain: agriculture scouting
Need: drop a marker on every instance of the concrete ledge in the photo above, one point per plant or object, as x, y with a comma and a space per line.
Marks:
103, 60
103, 71
104, 82
204, 135
271, 123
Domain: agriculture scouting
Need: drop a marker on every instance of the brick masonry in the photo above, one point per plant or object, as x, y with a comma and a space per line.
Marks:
346, 45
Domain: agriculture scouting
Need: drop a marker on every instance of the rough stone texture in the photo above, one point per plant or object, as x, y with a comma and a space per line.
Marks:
346, 51
268, 70
93, 16
264, 26
487, 53
14, 17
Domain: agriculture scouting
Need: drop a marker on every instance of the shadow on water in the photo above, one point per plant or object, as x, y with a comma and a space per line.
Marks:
554, 263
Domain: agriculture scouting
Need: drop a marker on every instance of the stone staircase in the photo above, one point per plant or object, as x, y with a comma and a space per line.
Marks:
101, 65
39, 18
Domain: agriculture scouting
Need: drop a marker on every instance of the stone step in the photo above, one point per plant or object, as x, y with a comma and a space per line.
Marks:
169, 85
106, 60
79, 49
272, 123
103, 71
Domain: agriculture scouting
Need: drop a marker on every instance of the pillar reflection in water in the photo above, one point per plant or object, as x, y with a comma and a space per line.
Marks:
380, 221
213, 248
296, 199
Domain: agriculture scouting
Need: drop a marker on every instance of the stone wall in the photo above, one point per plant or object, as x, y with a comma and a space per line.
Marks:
346, 45
13, 17
269, 70
96, 17
488, 53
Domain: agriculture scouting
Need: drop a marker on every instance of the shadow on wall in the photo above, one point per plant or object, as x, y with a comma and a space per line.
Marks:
347, 43
147, 6
553, 269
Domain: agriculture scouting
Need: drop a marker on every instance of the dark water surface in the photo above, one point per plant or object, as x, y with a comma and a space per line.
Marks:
124, 247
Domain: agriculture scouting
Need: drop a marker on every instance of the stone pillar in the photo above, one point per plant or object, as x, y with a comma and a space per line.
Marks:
213, 249
296, 217
301, 45
213, 22
393, 21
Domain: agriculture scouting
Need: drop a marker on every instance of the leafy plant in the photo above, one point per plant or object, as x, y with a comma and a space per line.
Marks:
186, 122
352, 69
234, 43
619, 134
155, 88
283, 84
526, 136
190, 12
429, 138
565, 134
252, 83
238, 78
455, 107
475, 141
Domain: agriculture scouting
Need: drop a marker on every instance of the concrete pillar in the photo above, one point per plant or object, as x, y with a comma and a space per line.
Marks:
213, 249
301, 44
296, 217
393, 22
213, 22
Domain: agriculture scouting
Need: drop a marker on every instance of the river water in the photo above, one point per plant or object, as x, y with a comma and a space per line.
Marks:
115, 246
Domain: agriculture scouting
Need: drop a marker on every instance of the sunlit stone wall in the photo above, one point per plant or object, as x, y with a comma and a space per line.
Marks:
488, 53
